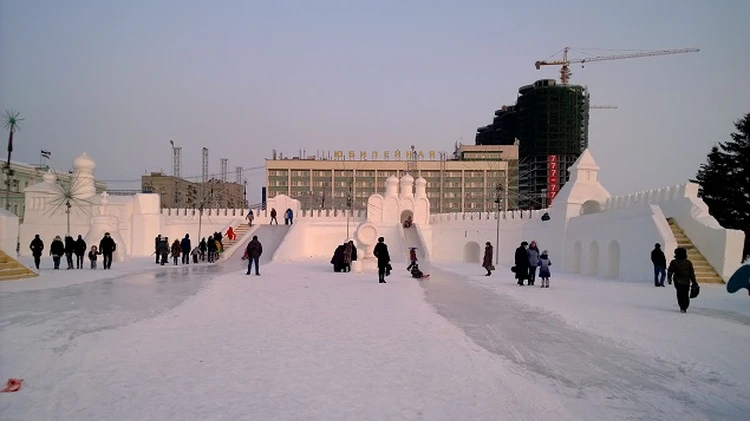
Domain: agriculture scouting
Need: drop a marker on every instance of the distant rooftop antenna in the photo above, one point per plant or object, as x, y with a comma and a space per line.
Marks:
176, 158
224, 163
204, 176
238, 175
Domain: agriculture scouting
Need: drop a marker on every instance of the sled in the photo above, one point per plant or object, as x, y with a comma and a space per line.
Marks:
740, 279
13, 385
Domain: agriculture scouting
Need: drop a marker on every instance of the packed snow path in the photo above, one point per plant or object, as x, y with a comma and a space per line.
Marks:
603, 373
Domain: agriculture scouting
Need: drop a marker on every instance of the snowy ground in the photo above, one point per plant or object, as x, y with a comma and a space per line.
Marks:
300, 342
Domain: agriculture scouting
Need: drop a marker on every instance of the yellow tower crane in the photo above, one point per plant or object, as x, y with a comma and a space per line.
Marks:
565, 62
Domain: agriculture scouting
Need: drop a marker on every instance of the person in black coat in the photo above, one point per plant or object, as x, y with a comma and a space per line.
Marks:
211, 247
37, 247
157, 247
202, 249
107, 248
384, 259
162, 252
186, 249
354, 251
254, 251
338, 258
80, 251
660, 265
522, 263
57, 250
70, 248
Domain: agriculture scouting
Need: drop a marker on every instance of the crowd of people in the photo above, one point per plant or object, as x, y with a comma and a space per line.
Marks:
208, 249
70, 247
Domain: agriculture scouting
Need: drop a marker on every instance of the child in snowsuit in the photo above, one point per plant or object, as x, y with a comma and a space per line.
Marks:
544, 263
415, 272
176, 250
92, 256
195, 253
412, 258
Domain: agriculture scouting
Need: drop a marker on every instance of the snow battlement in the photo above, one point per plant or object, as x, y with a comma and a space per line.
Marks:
652, 197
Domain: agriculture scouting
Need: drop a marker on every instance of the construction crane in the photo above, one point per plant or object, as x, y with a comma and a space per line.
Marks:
565, 62
603, 107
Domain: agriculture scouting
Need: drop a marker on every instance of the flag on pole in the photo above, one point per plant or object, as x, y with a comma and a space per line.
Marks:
46, 154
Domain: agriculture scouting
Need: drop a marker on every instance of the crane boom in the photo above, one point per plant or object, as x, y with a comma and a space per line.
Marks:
565, 62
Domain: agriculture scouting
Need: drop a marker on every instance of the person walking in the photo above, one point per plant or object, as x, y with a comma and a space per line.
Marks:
384, 259
57, 250
195, 253
354, 251
289, 216
533, 255
521, 261
544, 264
80, 251
254, 250
211, 247
681, 271
163, 251
93, 256
70, 248
37, 247
202, 247
250, 217
157, 247
176, 249
231, 234
273, 217
186, 249
347, 257
107, 247
487, 261
660, 265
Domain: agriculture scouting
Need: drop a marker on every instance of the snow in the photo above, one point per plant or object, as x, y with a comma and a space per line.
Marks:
296, 343
50, 278
300, 342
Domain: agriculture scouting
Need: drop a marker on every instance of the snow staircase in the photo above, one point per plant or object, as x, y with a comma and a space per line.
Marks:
11, 269
704, 272
240, 230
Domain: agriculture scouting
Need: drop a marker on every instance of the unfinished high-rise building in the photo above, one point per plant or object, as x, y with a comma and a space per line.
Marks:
551, 123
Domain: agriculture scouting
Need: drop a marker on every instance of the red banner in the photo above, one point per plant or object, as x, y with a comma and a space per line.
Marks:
553, 177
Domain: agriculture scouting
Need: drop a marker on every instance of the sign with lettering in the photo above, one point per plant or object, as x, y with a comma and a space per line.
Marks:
553, 178
396, 155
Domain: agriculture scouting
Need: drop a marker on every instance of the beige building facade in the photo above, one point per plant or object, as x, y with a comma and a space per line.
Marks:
24, 175
176, 192
473, 179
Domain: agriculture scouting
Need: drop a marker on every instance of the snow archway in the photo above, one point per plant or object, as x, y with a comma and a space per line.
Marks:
594, 258
613, 267
472, 252
406, 215
575, 266
590, 206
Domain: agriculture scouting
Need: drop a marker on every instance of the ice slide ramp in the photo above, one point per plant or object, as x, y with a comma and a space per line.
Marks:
270, 236
413, 238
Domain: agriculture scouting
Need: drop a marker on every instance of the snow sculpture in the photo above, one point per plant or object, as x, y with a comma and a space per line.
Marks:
83, 174
367, 234
104, 223
394, 208
391, 186
583, 193
407, 187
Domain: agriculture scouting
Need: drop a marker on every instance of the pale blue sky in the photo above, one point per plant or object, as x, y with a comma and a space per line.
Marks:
119, 79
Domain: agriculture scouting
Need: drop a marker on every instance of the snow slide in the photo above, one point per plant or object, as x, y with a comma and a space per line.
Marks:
270, 236
412, 238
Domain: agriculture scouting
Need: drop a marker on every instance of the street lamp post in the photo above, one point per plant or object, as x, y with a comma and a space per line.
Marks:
11, 122
498, 192
348, 210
